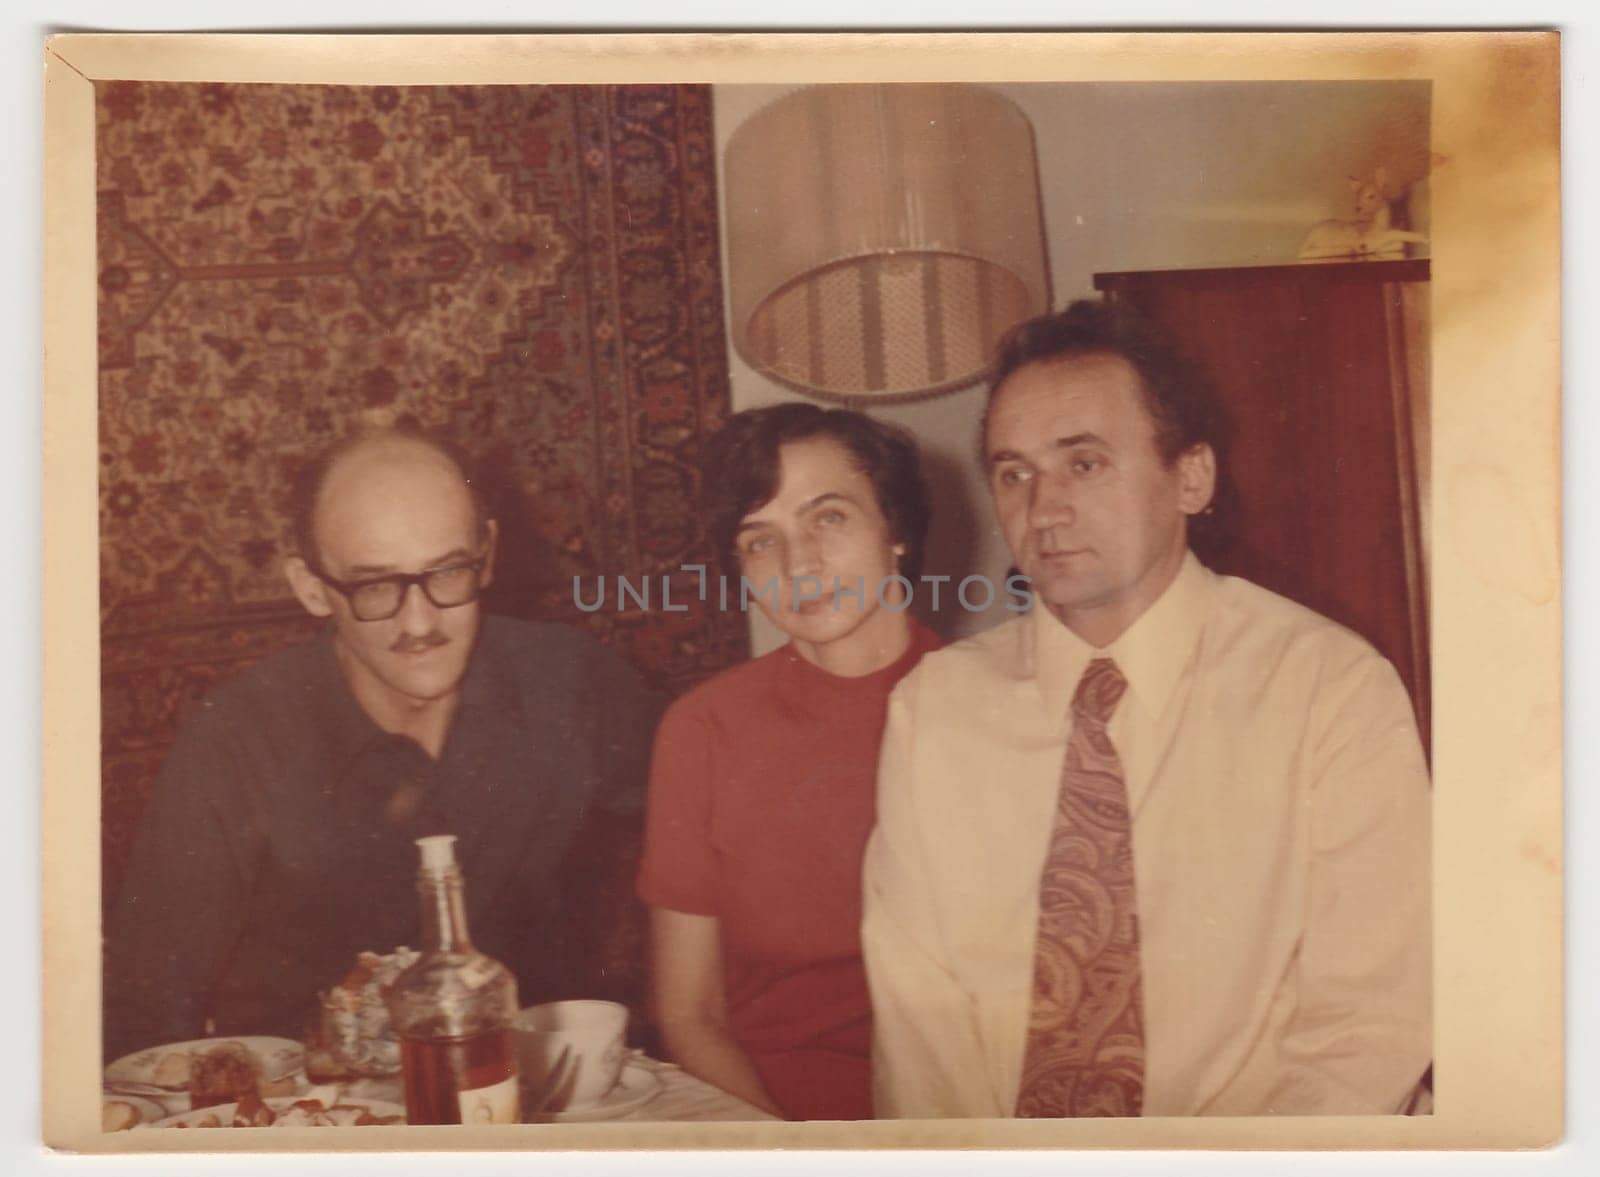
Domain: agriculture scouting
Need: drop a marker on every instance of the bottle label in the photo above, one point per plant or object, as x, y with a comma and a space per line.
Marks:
495, 1104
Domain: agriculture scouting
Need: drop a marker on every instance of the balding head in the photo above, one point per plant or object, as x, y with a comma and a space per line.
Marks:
352, 458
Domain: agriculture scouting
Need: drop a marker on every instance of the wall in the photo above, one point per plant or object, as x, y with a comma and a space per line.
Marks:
1140, 176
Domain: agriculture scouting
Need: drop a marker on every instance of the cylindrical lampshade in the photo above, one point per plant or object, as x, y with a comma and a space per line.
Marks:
881, 238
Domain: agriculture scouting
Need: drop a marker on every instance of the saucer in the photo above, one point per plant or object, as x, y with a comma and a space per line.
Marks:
636, 1087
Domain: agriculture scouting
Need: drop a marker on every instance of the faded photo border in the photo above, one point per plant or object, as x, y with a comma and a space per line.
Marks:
1495, 606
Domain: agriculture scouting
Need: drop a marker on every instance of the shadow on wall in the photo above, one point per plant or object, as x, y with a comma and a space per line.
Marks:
542, 539
955, 527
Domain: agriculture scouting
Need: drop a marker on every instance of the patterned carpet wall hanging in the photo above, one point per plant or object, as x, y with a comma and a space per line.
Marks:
531, 270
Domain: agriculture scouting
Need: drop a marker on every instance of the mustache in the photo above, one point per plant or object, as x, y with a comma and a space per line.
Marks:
406, 644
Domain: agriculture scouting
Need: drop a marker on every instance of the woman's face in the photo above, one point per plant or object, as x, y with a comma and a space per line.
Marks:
818, 555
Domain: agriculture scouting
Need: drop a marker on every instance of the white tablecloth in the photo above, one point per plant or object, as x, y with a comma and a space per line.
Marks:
682, 1097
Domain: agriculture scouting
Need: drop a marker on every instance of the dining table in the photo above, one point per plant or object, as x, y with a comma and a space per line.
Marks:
662, 1092
680, 1097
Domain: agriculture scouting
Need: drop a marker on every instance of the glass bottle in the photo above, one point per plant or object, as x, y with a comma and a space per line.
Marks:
452, 1010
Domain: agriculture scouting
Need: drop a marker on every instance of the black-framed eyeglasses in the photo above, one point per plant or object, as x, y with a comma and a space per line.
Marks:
380, 597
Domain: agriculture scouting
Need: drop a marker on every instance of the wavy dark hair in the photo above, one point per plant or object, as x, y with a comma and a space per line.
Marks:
1179, 395
742, 466
305, 489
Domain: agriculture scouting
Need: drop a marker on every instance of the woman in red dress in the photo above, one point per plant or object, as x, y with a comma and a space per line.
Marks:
762, 788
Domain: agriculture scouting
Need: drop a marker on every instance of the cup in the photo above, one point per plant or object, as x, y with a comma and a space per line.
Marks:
591, 1034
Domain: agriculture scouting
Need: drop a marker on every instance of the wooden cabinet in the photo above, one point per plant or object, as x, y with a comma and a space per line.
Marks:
1323, 369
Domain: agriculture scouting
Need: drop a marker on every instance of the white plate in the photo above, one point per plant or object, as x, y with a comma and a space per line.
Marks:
149, 1111
636, 1087
224, 1111
277, 1058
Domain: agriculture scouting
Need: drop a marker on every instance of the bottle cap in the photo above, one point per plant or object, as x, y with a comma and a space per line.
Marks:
438, 852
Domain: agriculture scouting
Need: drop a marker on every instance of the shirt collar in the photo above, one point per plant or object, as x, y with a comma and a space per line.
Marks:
484, 682
351, 731
1151, 653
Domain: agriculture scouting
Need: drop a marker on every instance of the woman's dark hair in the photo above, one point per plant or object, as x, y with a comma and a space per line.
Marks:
742, 466
1177, 393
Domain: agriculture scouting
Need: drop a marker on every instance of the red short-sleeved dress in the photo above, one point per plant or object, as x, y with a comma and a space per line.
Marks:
762, 795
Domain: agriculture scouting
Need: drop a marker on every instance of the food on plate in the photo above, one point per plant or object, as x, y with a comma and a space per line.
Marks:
172, 1071
355, 1015
303, 1113
118, 1115
168, 1073
225, 1073
350, 1116
253, 1112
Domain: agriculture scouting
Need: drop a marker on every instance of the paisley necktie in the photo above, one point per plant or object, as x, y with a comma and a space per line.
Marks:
1085, 1047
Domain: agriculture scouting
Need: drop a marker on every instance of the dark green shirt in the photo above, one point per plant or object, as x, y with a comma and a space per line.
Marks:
278, 842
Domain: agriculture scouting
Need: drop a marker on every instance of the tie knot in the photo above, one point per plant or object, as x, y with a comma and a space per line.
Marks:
1099, 691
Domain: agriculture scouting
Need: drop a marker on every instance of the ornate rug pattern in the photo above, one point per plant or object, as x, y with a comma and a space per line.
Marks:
531, 270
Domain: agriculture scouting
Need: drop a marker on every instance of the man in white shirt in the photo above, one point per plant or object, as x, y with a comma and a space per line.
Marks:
1159, 846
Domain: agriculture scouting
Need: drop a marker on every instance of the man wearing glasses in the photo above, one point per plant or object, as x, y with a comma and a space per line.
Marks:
279, 840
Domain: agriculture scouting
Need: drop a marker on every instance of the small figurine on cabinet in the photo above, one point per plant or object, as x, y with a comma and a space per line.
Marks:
1369, 236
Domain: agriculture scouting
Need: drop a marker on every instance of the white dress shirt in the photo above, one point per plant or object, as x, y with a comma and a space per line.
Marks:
1280, 807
